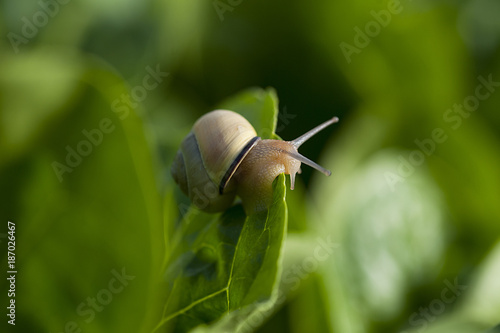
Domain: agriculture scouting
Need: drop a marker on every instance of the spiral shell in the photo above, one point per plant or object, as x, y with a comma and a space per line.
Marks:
209, 157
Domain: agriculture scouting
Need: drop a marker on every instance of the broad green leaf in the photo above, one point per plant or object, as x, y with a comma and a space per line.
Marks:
222, 263
77, 230
226, 265
390, 236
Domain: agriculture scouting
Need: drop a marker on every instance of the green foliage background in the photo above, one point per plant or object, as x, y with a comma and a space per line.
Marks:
399, 243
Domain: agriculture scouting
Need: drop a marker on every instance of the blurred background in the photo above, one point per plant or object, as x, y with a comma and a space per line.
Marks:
95, 98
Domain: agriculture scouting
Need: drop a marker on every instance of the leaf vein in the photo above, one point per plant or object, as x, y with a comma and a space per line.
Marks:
181, 311
232, 266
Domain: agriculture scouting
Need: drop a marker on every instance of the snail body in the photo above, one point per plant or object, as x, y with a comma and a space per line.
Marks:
222, 157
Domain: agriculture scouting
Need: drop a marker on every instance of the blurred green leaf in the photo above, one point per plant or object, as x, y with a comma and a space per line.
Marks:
36, 88
391, 236
310, 300
481, 302
452, 324
259, 107
479, 306
98, 218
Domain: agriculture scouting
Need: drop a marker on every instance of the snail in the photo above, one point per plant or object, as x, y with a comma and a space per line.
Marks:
222, 157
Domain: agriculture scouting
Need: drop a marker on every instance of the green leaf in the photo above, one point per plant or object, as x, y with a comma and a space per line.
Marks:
227, 265
50, 80
222, 263
395, 232
78, 229
259, 107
